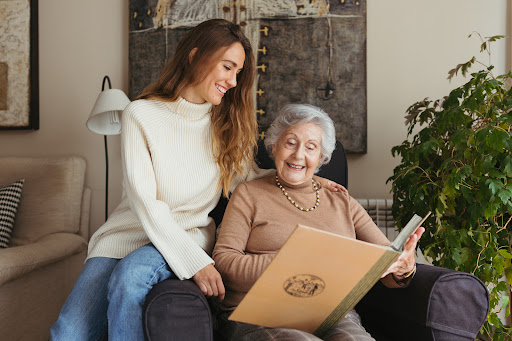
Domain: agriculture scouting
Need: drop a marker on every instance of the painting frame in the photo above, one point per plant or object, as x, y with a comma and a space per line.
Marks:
325, 67
28, 118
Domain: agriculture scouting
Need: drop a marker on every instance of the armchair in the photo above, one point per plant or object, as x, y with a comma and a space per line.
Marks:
440, 304
48, 245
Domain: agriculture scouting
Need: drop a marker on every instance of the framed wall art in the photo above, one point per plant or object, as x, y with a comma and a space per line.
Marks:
19, 81
307, 52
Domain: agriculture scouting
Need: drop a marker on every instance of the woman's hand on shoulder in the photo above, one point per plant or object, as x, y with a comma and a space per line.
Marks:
209, 281
330, 185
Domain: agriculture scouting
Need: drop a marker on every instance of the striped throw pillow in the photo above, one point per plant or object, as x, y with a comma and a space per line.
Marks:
9, 199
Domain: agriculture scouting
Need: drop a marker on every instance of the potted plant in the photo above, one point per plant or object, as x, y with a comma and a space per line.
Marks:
459, 166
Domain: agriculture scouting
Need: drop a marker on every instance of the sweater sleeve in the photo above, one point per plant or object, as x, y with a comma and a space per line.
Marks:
239, 269
184, 256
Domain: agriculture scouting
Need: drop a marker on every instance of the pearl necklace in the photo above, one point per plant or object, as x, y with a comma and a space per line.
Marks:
315, 187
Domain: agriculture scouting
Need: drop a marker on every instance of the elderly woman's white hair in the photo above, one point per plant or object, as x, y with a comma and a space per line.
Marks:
297, 114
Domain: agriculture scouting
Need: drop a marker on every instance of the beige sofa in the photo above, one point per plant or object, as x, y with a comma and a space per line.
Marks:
48, 245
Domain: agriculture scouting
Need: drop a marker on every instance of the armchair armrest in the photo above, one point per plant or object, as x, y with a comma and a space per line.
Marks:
439, 304
19, 260
177, 308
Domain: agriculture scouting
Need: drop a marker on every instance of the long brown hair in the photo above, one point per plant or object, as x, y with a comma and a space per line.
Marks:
233, 120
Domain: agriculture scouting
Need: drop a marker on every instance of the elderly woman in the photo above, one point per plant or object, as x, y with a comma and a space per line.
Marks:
262, 214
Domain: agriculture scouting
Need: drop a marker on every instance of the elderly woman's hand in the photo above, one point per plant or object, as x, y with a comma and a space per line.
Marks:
406, 263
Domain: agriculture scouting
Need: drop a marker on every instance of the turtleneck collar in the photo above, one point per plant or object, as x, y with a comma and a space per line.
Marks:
193, 111
305, 187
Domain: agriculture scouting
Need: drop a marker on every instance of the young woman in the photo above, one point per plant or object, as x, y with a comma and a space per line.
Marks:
188, 137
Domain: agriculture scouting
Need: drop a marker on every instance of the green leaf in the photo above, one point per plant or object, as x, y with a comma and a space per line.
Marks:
493, 319
485, 163
502, 286
499, 264
507, 118
508, 274
497, 174
496, 37
441, 204
505, 194
466, 170
463, 67
490, 210
450, 189
486, 273
497, 139
494, 185
504, 300
456, 256
507, 165
466, 254
505, 254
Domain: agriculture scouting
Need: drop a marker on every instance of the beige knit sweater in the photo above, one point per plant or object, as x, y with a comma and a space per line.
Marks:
259, 219
170, 184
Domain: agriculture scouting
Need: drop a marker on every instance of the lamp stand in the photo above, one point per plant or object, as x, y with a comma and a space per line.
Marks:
106, 177
106, 78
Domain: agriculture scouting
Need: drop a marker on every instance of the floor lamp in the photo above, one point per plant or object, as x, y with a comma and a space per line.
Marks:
105, 119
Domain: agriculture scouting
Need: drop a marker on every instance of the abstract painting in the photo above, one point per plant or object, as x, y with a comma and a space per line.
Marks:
307, 51
19, 95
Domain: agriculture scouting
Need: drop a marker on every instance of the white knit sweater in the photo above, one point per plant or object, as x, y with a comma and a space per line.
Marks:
170, 184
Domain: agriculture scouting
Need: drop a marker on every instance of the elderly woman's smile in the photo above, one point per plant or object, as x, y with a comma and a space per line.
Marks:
298, 153
297, 167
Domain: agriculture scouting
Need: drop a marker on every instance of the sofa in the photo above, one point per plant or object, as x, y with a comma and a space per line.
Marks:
48, 244
440, 304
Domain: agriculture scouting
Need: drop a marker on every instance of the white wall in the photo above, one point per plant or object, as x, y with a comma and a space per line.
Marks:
411, 46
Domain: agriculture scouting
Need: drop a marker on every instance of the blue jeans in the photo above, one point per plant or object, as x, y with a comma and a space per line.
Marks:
109, 294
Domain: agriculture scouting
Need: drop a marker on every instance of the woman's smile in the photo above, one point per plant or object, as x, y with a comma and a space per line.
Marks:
295, 167
222, 90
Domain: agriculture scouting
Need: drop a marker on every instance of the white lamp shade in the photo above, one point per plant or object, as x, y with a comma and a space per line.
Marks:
105, 117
